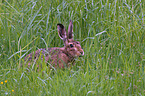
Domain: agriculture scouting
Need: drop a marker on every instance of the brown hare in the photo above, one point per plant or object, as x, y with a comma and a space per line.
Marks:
60, 57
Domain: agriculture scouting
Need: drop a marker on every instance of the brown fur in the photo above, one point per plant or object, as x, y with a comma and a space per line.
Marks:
60, 57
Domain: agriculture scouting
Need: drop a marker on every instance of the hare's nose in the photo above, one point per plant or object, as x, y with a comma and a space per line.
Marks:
82, 53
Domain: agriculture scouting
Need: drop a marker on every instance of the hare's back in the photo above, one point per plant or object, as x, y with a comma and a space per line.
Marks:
50, 52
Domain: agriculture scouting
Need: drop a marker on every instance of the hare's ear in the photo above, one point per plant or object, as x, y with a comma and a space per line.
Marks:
61, 31
70, 30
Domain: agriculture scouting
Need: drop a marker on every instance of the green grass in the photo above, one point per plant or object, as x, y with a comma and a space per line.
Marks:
114, 60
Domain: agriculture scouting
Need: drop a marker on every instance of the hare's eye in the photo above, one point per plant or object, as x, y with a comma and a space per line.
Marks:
71, 45
77, 42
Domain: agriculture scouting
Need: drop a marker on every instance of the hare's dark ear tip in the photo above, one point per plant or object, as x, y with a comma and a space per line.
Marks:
60, 25
70, 20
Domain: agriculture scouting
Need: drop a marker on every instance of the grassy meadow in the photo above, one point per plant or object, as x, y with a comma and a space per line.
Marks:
111, 32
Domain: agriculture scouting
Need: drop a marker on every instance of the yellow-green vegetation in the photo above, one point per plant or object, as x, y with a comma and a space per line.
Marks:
111, 32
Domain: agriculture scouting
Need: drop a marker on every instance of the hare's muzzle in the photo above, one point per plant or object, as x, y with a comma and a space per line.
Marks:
82, 53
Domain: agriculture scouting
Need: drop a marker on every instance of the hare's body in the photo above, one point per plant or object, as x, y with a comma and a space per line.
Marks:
60, 57
55, 56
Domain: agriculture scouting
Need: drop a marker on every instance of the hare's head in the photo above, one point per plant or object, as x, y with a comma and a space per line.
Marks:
71, 47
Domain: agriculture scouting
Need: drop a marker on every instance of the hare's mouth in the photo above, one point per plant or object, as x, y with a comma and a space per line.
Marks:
81, 56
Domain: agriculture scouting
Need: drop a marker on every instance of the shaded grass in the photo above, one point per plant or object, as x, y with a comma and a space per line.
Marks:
111, 34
